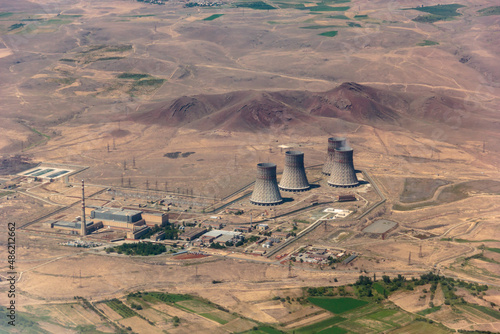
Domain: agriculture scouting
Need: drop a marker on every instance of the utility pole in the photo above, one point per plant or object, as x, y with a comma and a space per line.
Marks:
147, 184
114, 144
108, 147
129, 183
156, 185
122, 180
409, 259
124, 165
420, 252
133, 162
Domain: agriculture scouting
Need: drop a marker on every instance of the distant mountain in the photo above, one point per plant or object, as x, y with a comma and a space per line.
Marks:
254, 111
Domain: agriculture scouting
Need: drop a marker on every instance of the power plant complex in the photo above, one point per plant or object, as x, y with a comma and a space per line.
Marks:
339, 167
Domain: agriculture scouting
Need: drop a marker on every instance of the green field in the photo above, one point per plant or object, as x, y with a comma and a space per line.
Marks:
333, 330
332, 33
135, 76
427, 42
170, 298
429, 310
494, 10
120, 308
437, 13
255, 5
325, 8
263, 330
337, 305
212, 17
339, 17
319, 326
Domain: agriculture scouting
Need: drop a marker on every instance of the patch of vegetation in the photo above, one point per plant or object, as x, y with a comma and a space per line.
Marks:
120, 308
68, 60
260, 5
427, 42
118, 48
332, 33
437, 13
493, 10
23, 324
486, 310
325, 8
214, 317
16, 26
175, 155
134, 76
5, 14
360, 16
319, 326
212, 17
150, 82
171, 232
337, 305
169, 298
429, 310
109, 58
339, 17
39, 133
141, 249
354, 25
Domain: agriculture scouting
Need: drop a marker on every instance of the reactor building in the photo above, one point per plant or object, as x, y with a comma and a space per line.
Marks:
342, 173
333, 144
294, 175
265, 190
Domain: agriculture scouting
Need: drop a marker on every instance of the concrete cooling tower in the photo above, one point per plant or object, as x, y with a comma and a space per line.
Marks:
343, 173
294, 175
333, 143
265, 191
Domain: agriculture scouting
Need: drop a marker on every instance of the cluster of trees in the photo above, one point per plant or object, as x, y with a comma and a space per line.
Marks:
142, 249
171, 232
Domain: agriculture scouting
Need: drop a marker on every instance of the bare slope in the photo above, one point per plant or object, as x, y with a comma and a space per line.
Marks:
253, 111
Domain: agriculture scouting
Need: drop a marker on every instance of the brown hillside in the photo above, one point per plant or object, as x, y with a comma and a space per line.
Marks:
253, 111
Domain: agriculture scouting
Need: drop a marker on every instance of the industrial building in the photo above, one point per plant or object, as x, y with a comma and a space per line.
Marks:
343, 173
118, 218
155, 218
333, 144
192, 234
294, 175
74, 227
266, 191
136, 234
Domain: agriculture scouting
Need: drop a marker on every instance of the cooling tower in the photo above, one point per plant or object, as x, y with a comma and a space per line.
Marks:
294, 175
265, 191
333, 143
343, 173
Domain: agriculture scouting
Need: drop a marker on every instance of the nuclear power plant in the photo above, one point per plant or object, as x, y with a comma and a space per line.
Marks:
294, 175
266, 191
333, 144
342, 173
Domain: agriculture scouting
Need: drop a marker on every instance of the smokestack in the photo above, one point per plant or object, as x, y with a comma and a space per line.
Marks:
266, 191
83, 229
333, 143
294, 175
343, 173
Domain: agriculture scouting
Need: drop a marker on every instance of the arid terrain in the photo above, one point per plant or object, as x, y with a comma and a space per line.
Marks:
177, 103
